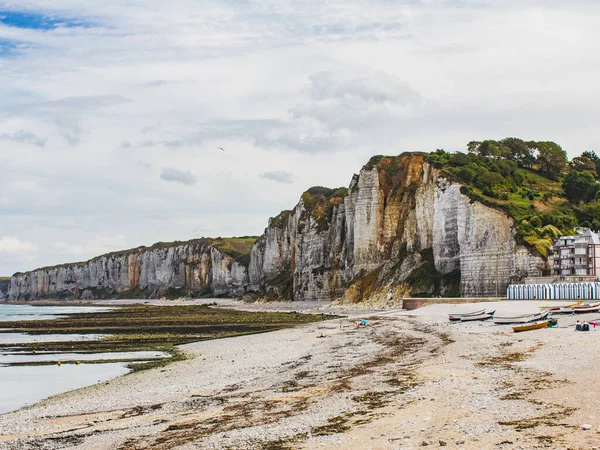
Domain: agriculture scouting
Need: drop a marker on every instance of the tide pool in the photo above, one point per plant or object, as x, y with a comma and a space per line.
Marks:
9, 313
25, 385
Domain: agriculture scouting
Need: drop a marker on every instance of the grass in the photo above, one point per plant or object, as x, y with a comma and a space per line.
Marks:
236, 246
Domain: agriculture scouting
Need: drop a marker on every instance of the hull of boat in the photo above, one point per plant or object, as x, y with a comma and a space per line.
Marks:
455, 317
521, 319
585, 309
559, 308
485, 316
533, 326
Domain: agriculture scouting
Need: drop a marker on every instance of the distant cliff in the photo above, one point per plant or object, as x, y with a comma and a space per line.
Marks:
201, 267
4, 287
399, 229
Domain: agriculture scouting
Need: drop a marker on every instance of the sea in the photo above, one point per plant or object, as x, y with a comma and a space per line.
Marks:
22, 386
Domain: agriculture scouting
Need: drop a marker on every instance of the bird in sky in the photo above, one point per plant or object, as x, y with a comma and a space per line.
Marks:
221, 148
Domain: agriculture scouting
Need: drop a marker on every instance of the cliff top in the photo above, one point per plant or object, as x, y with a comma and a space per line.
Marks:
318, 201
235, 247
533, 182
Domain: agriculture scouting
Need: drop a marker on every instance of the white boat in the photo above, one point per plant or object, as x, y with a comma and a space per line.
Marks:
522, 319
483, 316
586, 308
454, 317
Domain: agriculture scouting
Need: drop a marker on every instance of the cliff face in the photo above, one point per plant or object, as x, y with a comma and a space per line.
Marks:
4, 287
193, 268
399, 229
402, 229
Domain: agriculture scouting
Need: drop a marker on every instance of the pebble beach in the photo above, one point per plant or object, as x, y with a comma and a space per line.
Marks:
409, 379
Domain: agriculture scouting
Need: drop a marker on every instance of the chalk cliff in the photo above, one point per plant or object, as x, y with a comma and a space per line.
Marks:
401, 228
4, 287
195, 268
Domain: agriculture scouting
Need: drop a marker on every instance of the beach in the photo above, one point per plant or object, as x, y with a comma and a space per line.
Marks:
409, 379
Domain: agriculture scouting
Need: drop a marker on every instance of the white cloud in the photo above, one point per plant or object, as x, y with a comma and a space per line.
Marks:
178, 176
26, 137
13, 245
93, 247
280, 176
94, 116
377, 88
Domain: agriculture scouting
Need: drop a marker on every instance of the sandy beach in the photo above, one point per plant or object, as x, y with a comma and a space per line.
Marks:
410, 379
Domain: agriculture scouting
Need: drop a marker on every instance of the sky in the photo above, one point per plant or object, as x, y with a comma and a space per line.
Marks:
113, 114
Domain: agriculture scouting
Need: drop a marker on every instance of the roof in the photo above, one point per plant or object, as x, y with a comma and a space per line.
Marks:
588, 237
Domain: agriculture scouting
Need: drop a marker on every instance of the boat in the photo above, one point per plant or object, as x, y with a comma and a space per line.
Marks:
522, 319
483, 316
558, 308
531, 326
454, 317
587, 308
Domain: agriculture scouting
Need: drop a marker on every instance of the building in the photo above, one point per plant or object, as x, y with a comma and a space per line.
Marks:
577, 255
575, 262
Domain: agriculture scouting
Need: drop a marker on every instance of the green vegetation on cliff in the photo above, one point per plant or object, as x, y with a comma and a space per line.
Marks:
533, 182
320, 203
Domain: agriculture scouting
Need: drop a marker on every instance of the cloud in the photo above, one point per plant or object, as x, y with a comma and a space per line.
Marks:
280, 176
93, 247
156, 83
324, 88
26, 137
178, 176
14, 245
377, 88
79, 103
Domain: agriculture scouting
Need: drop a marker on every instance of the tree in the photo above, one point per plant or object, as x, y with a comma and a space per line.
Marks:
583, 163
489, 180
591, 155
580, 187
521, 151
489, 148
552, 159
466, 174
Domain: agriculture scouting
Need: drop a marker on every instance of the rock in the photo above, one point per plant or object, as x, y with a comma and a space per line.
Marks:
460, 442
443, 443
316, 250
586, 426
425, 443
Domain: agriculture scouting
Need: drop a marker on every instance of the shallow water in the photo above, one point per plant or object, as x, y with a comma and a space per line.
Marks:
30, 312
23, 338
28, 357
25, 385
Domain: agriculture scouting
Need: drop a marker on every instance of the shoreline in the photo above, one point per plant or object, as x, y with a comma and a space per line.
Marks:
329, 384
